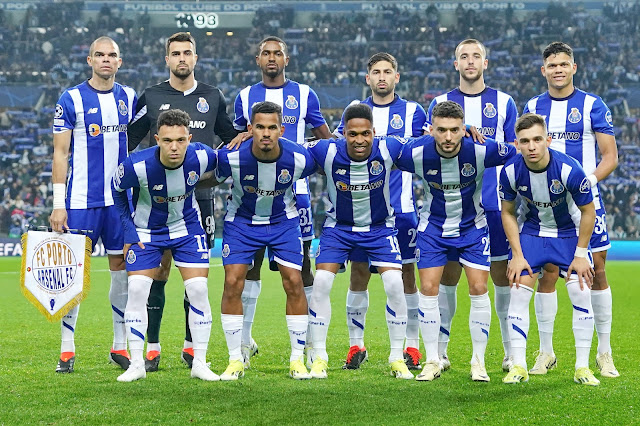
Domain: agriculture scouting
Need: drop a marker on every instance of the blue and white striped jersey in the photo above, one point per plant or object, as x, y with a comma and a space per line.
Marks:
398, 118
452, 186
358, 190
300, 107
164, 207
98, 121
494, 114
550, 197
262, 192
573, 123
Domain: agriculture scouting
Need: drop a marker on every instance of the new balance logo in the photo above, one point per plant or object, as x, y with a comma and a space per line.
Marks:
341, 172
158, 187
164, 107
92, 111
432, 172
249, 177
522, 188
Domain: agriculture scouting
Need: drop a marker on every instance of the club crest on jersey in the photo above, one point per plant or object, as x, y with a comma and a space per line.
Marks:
489, 110
193, 177
607, 117
226, 250
284, 177
396, 122
502, 149
202, 105
376, 168
467, 170
574, 116
585, 186
292, 102
556, 187
122, 107
131, 257
59, 111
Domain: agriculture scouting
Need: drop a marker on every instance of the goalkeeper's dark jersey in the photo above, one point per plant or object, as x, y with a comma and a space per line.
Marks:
205, 105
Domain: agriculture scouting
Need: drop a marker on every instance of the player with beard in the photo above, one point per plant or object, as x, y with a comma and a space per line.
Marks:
207, 108
300, 108
494, 114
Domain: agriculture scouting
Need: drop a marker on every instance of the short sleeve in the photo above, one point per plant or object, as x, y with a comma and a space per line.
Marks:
498, 153
125, 176
240, 122
223, 170
509, 126
405, 157
314, 116
65, 115
601, 119
579, 186
505, 187
419, 121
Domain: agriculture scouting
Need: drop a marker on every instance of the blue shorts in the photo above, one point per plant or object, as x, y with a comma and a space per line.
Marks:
303, 204
498, 243
105, 223
241, 241
190, 251
600, 237
379, 244
471, 249
406, 225
539, 251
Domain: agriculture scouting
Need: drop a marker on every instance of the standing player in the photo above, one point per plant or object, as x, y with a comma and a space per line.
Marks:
395, 116
580, 124
452, 222
207, 108
261, 213
90, 136
558, 215
358, 168
165, 217
300, 109
494, 114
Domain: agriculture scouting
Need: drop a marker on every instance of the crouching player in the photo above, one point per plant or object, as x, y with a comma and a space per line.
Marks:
559, 215
165, 217
358, 167
261, 212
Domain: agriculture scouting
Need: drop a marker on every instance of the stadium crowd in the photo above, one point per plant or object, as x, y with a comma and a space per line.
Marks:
49, 48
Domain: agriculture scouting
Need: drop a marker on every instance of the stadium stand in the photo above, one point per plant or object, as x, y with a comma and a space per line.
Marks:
47, 51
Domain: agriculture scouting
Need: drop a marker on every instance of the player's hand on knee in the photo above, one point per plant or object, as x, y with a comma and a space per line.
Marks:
514, 270
584, 270
58, 220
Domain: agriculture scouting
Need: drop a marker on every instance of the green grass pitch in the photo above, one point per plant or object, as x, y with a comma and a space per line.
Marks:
32, 393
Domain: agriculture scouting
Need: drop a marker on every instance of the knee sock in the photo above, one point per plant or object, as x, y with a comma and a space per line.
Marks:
320, 312
502, 296
429, 326
582, 321
249, 300
297, 325
232, 327
413, 327
155, 309
396, 312
447, 303
68, 330
307, 294
199, 316
118, 297
357, 306
479, 325
518, 318
546, 306
135, 315
188, 338
601, 302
